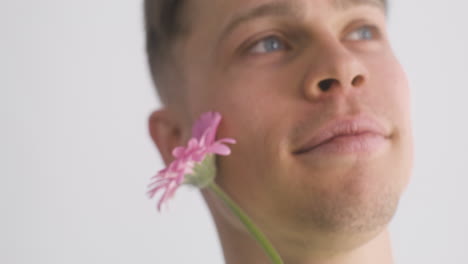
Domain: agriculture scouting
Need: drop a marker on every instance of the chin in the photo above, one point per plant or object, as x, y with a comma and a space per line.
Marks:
358, 201
347, 213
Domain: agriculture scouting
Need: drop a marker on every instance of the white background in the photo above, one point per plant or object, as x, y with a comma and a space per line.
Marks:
75, 155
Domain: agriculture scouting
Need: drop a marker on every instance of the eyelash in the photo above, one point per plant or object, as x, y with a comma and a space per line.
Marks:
249, 46
282, 43
374, 30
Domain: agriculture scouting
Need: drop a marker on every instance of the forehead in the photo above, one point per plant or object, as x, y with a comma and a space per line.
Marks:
252, 9
229, 13
344, 4
236, 6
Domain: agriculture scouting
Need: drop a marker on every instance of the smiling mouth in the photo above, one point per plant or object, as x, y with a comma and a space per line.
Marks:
346, 136
362, 142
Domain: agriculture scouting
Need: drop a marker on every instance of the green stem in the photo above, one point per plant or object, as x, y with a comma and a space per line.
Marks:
248, 223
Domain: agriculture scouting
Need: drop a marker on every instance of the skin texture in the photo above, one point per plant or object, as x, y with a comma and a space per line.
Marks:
323, 208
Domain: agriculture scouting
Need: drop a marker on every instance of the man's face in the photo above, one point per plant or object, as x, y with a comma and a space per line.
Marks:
283, 73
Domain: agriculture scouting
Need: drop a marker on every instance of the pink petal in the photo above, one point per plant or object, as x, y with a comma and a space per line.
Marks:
172, 191
152, 192
219, 149
177, 166
178, 151
170, 188
209, 136
192, 144
206, 126
163, 199
227, 140
155, 184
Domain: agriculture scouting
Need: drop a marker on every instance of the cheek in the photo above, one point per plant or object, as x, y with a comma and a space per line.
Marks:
254, 102
256, 114
389, 93
256, 122
245, 174
391, 100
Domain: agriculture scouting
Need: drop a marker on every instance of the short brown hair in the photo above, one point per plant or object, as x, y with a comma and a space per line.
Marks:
164, 25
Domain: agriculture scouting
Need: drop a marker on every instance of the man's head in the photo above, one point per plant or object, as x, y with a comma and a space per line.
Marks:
312, 93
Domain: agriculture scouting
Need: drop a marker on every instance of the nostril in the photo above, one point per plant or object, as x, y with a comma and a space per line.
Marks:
325, 85
358, 80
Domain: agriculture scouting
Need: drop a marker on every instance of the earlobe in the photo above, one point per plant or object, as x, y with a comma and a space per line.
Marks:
166, 132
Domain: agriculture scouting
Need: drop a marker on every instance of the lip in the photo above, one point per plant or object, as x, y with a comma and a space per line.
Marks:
346, 135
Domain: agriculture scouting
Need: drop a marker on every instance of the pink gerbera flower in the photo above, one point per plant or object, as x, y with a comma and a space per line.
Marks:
193, 164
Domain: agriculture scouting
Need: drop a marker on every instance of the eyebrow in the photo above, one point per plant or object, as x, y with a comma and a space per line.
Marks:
346, 4
272, 9
289, 8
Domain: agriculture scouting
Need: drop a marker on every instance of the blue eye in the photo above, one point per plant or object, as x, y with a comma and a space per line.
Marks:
362, 33
269, 44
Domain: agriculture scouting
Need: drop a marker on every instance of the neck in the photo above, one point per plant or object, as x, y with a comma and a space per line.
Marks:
239, 247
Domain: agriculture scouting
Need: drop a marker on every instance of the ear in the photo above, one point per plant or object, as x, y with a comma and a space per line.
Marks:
166, 132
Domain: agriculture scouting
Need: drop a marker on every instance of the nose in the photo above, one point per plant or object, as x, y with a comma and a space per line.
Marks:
334, 70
